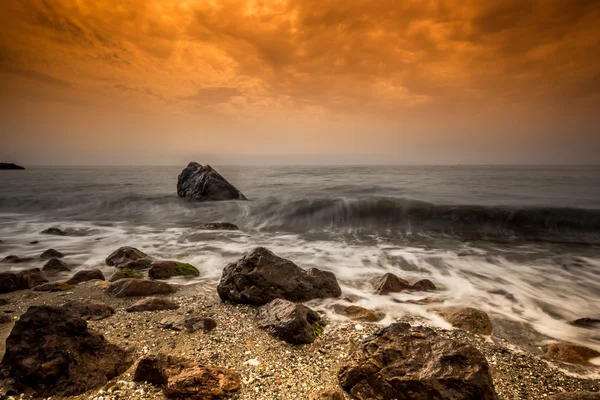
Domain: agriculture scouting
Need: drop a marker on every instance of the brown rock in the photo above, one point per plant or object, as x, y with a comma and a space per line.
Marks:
575, 396
153, 304
260, 277
51, 353
291, 322
165, 269
184, 379
131, 287
389, 283
51, 253
191, 324
54, 231
28, 279
53, 287
328, 394
468, 319
404, 362
424, 285
126, 254
84, 276
357, 313
89, 309
55, 265
12, 259
125, 273
571, 353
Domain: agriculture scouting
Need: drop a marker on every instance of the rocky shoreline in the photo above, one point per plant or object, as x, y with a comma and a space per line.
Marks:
248, 338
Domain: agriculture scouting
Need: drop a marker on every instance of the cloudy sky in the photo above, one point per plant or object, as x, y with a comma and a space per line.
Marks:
299, 81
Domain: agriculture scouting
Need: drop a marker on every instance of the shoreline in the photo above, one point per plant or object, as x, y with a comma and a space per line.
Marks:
270, 368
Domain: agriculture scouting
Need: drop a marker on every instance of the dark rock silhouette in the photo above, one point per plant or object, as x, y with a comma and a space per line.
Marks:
202, 182
28, 279
10, 166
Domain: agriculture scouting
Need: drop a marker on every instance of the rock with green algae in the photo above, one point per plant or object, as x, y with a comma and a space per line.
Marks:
291, 322
125, 273
168, 269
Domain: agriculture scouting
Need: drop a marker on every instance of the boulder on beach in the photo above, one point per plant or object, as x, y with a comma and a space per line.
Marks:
55, 265
54, 231
291, 322
219, 226
51, 253
468, 319
575, 396
189, 323
28, 279
328, 394
10, 166
53, 287
127, 257
182, 378
571, 353
125, 273
202, 182
260, 277
131, 287
390, 283
168, 269
12, 259
153, 304
84, 276
50, 352
89, 309
404, 362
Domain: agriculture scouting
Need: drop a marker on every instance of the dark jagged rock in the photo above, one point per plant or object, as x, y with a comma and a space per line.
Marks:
202, 182
50, 352
89, 309
291, 322
153, 304
587, 322
51, 253
182, 378
10, 166
404, 362
129, 257
219, 226
28, 279
12, 259
575, 396
125, 273
571, 353
84, 276
390, 283
55, 265
168, 269
131, 287
191, 324
468, 319
53, 287
260, 277
328, 394
54, 231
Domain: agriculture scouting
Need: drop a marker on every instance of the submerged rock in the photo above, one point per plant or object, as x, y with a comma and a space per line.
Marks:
390, 283
131, 287
10, 166
153, 304
291, 322
182, 378
51, 352
54, 231
89, 309
84, 276
168, 269
571, 353
51, 253
468, 319
125, 273
12, 259
56, 265
260, 277
202, 182
219, 226
28, 279
129, 257
404, 362
587, 322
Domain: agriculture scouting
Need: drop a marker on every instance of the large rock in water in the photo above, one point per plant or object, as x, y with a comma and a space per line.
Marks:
167, 269
291, 322
182, 378
129, 257
260, 277
468, 319
51, 352
28, 279
202, 182
404, 362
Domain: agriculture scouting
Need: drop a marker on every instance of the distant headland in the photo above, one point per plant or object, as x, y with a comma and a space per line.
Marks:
10, 166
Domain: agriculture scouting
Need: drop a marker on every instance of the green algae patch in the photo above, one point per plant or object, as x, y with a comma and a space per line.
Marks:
168, 269
185, 269
131, 273
318, 329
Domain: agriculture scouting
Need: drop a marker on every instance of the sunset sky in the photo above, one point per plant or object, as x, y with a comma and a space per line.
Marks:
299, 82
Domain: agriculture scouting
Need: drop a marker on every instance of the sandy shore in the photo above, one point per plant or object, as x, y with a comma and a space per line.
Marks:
272, 369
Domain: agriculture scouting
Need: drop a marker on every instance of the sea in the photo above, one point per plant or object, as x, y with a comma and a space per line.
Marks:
519, 242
